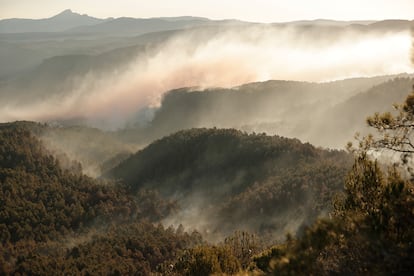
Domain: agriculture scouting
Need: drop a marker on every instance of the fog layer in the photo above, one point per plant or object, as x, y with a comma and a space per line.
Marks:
223, 57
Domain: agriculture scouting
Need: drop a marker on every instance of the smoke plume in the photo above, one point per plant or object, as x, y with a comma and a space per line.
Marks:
224, 58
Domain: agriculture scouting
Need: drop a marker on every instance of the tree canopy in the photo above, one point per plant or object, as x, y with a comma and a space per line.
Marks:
371, 227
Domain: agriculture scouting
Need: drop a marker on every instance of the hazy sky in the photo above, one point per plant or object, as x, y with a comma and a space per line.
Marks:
250, 10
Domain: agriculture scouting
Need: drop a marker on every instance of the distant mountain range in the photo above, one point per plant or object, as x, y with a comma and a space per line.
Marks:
60, 22
26, 43
69, 21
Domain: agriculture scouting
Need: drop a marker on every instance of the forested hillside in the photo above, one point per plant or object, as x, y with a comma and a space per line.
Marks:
96, 150
224, 183
55, 220
371, 227
369, 232
324, 114
347, 117
227, 180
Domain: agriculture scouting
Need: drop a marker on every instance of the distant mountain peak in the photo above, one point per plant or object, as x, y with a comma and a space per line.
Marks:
67, 11
66, 14
62, 21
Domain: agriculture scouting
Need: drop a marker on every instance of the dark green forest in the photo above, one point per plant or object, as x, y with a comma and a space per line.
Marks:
208, 201
54, 216
56, 221
236, 180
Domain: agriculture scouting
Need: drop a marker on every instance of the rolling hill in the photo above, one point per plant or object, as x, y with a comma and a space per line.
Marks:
224, 179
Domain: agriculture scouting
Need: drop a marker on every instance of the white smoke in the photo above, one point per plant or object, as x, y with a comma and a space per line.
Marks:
226, 58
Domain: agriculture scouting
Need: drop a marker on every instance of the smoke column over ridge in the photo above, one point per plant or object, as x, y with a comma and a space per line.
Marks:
223, 59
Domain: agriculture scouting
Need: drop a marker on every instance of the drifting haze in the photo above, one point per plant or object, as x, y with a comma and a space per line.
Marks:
221, 58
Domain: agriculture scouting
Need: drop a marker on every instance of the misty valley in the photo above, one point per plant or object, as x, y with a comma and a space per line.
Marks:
191, 146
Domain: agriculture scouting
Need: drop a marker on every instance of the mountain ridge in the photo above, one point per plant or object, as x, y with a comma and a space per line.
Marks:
69, 21
57, 23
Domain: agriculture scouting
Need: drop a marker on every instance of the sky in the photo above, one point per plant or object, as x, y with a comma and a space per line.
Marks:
248, 10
